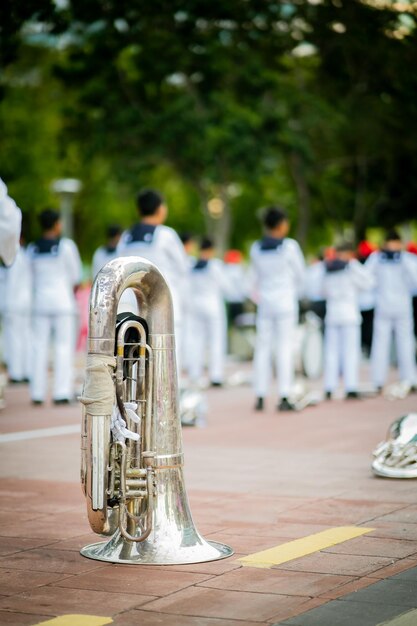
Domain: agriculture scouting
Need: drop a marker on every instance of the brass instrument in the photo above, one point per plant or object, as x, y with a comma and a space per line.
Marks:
396, 457
135, 489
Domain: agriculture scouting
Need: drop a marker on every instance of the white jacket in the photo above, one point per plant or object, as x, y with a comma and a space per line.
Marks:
208, 288
162, 246
10, 225
18, 285
341, 290
395, 279
100, 257
278, 270
55, 273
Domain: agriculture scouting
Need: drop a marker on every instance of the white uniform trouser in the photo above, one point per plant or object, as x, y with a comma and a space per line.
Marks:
62, 326
207, 333
381, 345
18, 342
342, 350
274, 336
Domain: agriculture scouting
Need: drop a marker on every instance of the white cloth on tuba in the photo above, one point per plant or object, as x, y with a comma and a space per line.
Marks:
98, 395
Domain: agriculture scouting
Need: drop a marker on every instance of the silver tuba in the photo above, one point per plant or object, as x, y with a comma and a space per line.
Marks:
396, 457
135, 488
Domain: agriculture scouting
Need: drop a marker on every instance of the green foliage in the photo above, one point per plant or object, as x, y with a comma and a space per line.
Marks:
308, 105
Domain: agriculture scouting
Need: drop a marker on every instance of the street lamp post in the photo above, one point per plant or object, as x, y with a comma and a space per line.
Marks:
66, 188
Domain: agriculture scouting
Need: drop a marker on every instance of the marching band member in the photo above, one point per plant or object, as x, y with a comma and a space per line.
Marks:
342, 280
207, 316
17, 320
278, 267
106, 253
161, 245
10, 225
56, 271
395, 272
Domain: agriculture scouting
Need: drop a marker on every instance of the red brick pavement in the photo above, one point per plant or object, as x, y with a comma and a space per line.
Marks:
254, 481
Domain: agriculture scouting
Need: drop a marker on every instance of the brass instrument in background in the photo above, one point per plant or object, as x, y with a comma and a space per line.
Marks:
396, 457
135, 488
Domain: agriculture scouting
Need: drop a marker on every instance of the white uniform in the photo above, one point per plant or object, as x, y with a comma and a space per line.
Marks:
207, 319
10, 225
17, 317
395, 275
313, 288
342, 283
56, 269
162, 246
278, 267
101, 256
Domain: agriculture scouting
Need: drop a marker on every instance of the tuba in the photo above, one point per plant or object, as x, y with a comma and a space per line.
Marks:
134, 488
396, 457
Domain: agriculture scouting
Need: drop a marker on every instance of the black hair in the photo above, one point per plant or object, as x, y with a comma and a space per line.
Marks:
48, 218
206, 244
113, 230
186, 237
392, 235
273, 216
148, 201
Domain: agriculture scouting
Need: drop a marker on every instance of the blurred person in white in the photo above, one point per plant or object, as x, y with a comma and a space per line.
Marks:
56, 272
160, 244
189, 243
342, 280
10, 226
106, 253
17, 317
395, 273
207, 316
278, 270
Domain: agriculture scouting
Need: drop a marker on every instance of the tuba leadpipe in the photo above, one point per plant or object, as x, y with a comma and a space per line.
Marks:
135, 488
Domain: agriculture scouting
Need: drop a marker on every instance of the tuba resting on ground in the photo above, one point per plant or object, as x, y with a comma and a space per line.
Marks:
396, 457
135, 487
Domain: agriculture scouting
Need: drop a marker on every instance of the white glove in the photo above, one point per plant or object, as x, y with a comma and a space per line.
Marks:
118, 426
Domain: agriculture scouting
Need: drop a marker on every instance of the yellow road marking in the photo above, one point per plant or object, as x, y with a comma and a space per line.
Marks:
77, 620
301, 547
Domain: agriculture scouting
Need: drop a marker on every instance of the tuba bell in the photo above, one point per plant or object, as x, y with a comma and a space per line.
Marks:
134, 488
396, 457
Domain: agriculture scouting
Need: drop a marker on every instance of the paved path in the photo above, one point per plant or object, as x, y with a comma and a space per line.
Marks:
255, 481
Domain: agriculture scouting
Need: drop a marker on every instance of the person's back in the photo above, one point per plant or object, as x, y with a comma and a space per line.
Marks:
342, 283
207, 315
157, 243
279, 268
161, 245
56, 270
106, 253
18, 308
207, 285
10, 226
395, 273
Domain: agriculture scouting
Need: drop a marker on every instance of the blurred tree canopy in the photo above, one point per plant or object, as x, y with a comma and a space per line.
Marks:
226, 108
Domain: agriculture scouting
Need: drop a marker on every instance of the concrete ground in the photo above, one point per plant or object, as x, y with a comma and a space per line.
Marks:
255, 481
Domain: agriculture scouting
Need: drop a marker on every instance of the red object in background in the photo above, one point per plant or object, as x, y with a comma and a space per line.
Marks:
82, 297
233, 256
365, 249
412, 247
329, 253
